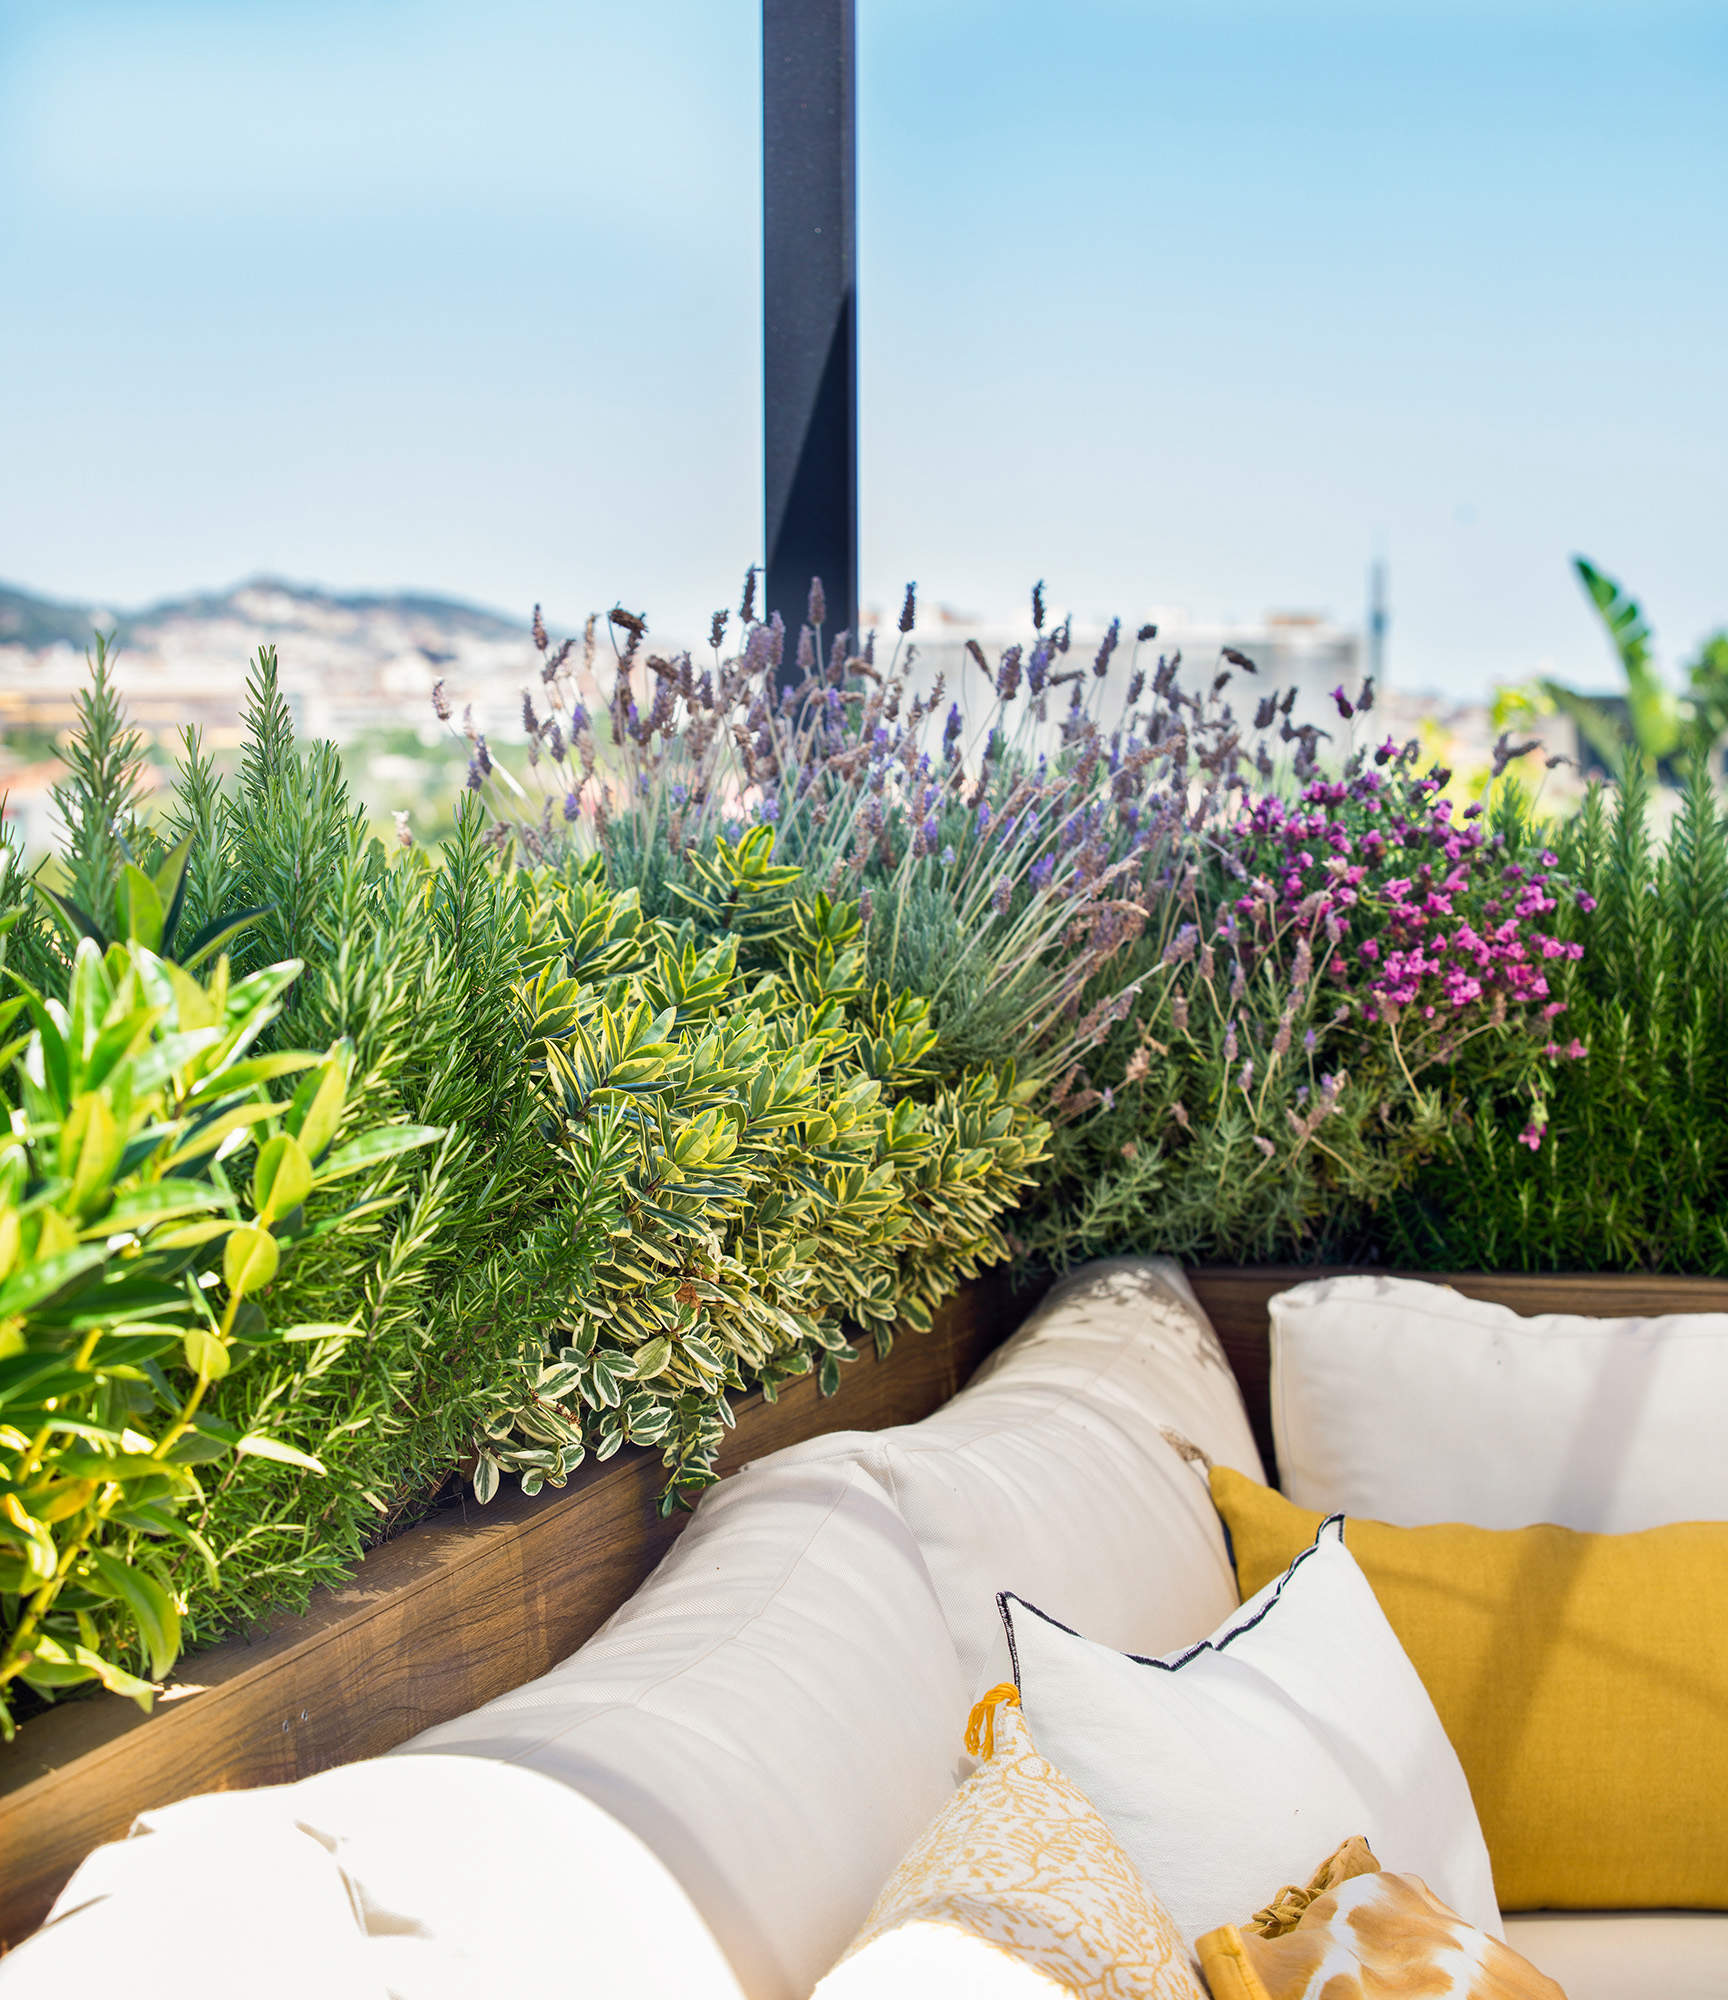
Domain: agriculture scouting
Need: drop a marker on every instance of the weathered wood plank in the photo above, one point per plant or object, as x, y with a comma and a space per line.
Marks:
460, 1609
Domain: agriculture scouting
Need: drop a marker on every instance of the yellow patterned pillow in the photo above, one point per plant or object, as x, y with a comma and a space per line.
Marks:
1016, 1888
1358, 1933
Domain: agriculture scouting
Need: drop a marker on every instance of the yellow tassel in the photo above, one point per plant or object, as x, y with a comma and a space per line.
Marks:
981, 1723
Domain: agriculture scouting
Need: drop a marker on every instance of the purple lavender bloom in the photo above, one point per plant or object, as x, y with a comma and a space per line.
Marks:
1041, 871
947, 857
1037, 667
931, 830
571, 808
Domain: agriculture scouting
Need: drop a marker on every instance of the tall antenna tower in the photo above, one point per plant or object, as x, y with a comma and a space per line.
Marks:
1377, 621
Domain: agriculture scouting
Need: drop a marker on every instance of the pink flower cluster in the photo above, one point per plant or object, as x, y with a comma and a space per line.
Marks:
1425, 914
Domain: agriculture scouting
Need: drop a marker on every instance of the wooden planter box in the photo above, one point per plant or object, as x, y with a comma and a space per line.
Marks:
476, 1601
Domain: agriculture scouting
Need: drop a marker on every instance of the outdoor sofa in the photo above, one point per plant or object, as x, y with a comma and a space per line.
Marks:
707, 1796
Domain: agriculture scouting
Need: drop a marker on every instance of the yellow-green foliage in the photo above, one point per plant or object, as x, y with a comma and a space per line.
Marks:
778, 1161
150, 1185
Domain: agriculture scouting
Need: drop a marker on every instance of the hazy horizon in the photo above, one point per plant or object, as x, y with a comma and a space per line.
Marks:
1167, 304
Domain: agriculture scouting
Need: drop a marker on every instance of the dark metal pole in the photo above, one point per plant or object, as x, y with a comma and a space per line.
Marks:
809, 308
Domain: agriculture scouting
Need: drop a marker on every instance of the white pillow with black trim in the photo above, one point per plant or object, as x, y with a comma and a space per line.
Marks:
1227, 1767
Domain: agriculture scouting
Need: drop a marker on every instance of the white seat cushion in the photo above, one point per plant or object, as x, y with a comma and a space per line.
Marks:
1407, 1402
1054, 1474
1627, 1955
205, 1899
428, 1878
778, 1713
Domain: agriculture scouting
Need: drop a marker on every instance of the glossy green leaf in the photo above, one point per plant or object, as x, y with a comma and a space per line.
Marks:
282, 1178
150, 1604
249, 1259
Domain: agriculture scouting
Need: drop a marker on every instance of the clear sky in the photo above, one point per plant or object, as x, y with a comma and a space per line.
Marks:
1192, 304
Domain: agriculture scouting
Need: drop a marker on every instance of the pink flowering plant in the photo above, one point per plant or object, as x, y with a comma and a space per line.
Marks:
1324, 962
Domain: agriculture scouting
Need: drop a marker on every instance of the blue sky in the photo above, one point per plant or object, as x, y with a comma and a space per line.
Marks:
1174, 304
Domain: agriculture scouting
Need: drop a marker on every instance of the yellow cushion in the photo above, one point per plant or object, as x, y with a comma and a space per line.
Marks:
1583, 1680
1358, 1932
1019, 1864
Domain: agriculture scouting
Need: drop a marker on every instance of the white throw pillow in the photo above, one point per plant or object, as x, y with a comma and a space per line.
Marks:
1058, 1473
776, 1713
1406, 1402
1227, 1768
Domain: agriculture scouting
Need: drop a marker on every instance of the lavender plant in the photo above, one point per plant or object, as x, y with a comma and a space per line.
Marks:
996, 865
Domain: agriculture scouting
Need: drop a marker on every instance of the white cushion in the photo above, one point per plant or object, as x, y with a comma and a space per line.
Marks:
1054, 1475
469, 1873
1127, 1336
1407, 1402
426, 1878
1241, 1764
778, 1713
1627, 1955
200, 1905
934, 1961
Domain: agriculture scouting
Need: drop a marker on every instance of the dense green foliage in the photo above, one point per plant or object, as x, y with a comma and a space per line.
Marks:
1632, 1173
778, 1157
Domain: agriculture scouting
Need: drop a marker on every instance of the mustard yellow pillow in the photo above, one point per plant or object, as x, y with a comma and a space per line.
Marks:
1583, 1680
1017, 1890
1359, 1932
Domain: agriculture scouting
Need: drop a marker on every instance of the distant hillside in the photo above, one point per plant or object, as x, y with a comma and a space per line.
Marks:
349, 662
34, 623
